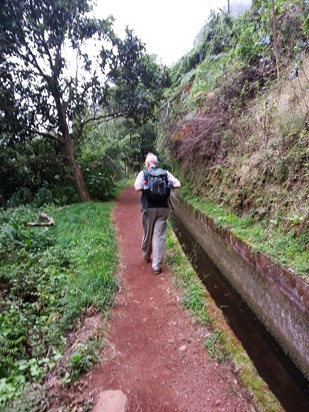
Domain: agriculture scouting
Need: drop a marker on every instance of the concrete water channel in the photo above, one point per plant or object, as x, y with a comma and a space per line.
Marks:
284, 379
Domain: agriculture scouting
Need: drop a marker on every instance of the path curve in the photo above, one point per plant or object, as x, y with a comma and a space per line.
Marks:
155, 353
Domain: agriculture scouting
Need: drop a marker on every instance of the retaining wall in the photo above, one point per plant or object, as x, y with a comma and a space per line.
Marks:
278, 298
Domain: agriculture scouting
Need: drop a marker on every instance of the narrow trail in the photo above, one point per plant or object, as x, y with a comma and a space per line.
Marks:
155, 353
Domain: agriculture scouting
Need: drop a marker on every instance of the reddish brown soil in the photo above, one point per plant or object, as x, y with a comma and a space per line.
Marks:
155, 353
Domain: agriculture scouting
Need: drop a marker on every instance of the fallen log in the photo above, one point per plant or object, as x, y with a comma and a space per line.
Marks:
44, 220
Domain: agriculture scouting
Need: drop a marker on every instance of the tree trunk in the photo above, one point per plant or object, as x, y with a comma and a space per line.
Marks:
77, 173
70, 151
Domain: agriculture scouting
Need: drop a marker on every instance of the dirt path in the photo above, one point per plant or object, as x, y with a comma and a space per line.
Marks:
156, 355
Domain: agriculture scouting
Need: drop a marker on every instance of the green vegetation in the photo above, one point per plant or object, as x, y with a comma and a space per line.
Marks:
220, 342
247, 39
82, 360
48, 278
64, 73
213, 349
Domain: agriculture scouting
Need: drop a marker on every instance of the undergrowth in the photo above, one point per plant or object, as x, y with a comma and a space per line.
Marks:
48, 278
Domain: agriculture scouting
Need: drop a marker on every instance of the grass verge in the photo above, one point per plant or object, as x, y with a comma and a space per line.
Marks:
49, 277
221, 342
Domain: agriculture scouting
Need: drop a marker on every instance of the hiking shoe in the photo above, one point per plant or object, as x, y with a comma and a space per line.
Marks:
157, 271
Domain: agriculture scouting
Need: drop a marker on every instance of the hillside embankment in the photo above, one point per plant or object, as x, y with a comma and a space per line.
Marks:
239, 136
237, 125
259, 165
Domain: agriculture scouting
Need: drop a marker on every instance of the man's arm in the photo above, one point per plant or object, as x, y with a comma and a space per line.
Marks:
139, 182
175, 183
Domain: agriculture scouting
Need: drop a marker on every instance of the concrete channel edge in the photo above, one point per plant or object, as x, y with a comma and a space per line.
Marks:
277, 297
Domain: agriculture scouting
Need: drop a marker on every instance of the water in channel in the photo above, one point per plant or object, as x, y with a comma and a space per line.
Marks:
286, 382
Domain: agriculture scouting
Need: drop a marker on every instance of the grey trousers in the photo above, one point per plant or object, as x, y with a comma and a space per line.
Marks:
154, 240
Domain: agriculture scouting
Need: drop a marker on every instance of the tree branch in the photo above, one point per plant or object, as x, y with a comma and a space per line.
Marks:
44, 134
98, 120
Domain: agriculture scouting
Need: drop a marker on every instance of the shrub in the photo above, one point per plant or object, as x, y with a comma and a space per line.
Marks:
22, 196
42, 197
100, 182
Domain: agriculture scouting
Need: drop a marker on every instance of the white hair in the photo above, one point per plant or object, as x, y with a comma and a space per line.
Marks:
152, 159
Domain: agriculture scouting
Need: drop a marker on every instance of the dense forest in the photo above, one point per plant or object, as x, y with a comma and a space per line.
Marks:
79, 109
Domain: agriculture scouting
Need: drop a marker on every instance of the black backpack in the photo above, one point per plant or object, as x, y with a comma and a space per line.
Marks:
156, 184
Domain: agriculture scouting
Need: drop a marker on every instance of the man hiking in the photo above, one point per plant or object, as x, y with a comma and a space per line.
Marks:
156, 185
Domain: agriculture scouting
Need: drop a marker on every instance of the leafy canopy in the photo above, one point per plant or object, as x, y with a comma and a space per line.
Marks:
39, 42
62, 70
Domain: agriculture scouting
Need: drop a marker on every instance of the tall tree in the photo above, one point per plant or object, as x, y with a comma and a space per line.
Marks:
40, 92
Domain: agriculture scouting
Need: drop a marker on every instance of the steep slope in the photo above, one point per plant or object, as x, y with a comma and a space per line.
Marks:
237, 123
